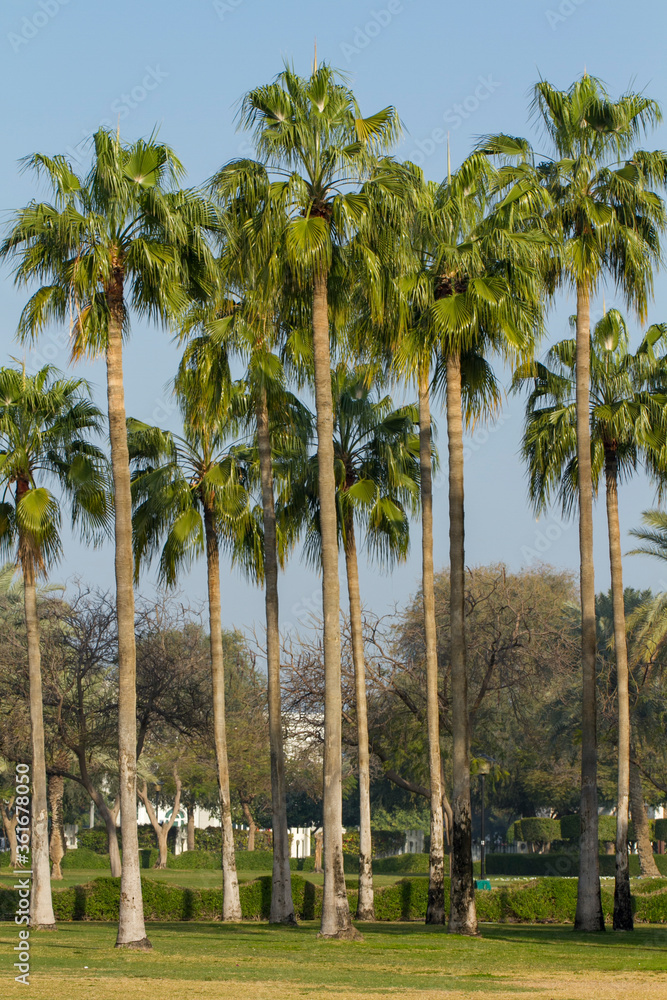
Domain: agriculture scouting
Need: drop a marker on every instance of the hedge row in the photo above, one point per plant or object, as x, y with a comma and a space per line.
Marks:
210, 839
246, 861
550, 900
536, 830
99, 900
403, 864
564, 865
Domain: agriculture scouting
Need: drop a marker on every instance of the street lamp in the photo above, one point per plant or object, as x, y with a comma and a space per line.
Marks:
483, 768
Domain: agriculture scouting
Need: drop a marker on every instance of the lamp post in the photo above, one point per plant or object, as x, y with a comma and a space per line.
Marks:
483, 768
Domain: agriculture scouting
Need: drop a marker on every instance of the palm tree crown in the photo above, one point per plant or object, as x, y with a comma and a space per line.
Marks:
46, 422
627, 410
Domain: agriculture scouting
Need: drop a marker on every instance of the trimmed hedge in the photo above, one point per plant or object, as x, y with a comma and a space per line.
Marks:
84, 858
660, 829
210, 839
403, 864
570, 827
551, 900
99, 900
302, 864
563, 865
536, 830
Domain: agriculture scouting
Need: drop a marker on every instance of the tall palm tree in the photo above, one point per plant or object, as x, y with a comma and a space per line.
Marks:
314, 148
188, 497
246, 320
405, 252
627, 407
46, 422
122, 237
608, 218
377, 478
476, 290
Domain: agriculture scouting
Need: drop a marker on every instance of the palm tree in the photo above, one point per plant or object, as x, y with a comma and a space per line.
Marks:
377, 476
627, 412
123, 236
608, 219
245, 319
46, 422
314, 146
408, 258
475, 289
188, 497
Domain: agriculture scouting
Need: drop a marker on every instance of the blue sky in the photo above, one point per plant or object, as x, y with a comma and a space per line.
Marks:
466, 69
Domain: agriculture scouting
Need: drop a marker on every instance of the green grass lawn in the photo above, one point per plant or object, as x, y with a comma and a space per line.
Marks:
410, 961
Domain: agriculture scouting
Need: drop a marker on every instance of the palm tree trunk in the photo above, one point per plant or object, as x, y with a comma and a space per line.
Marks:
365, 903
231, 901
57, 846
622, 900
41, 904
336, 919
462, 912
589, 916
435, 908
131, 926
647, 864
282, 906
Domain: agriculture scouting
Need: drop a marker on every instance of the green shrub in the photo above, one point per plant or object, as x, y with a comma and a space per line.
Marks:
84, 858
190, 860
99, 900
510, 836
402, 864
302, 864
254, 861
536, 830
549, 900
559, 865
210, 839
660, 829
93, 840
570, 827
406, 900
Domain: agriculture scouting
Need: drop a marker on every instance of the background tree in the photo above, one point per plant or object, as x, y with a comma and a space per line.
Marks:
46, 423
377, 476
188, 497
608, 215
123, 237
627, 409
314, 146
